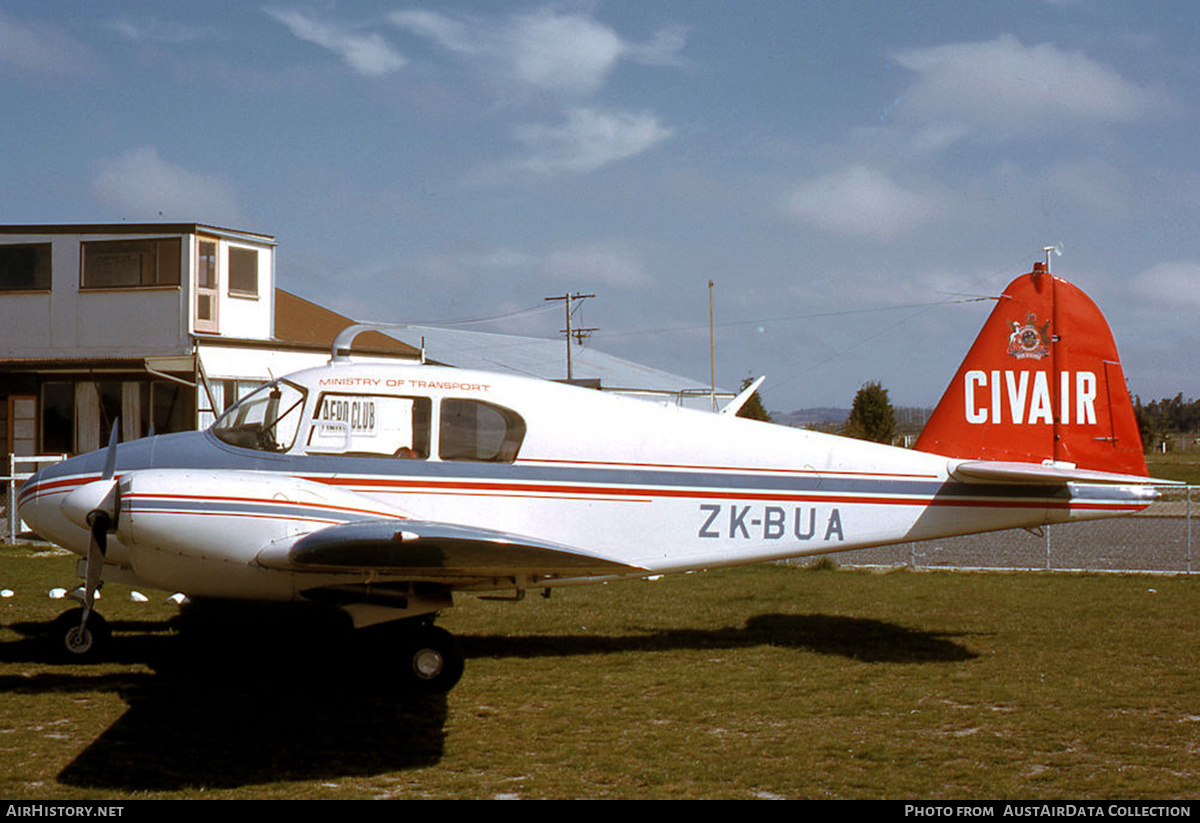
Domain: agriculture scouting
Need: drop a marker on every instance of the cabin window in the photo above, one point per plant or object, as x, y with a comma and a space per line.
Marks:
475, 430
126, 264
371, 425
266, 420
25, 267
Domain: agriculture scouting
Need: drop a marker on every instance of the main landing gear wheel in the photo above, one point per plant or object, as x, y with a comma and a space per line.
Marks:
82, 645
431, 660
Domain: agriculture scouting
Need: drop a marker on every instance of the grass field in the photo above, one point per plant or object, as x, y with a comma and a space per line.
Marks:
762, 682
1183, 466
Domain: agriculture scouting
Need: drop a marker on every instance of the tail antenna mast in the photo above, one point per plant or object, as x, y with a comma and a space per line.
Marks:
1056, 250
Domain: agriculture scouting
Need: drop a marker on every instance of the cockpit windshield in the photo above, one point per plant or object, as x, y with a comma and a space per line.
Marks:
266, 420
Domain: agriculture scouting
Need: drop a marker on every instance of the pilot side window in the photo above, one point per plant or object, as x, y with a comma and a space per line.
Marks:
371, 425
474, 430
267, 420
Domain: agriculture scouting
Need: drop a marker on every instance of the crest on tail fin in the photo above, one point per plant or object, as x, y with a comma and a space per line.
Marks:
1042, 382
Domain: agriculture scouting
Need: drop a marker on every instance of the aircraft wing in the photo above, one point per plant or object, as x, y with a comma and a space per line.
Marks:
424, 548
995, 471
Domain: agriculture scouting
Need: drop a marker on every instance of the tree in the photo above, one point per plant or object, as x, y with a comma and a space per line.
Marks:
753, 409
871, 416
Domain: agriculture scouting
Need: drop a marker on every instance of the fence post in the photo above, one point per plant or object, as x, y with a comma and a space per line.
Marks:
11, 505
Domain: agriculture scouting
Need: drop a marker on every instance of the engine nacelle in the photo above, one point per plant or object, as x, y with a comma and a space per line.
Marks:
99, 495
230, 516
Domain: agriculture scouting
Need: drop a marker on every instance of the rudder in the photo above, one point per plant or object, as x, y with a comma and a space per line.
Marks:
1041, 382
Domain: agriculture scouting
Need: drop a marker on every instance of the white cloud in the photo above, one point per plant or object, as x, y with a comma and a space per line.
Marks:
40, 49
154, 31
367, 54
567, 53
588, 139
451, 34
545, 50
862, 202
142, 186
590, 264
1006, 86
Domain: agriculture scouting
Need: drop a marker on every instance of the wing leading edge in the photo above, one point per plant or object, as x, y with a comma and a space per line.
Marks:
427, 548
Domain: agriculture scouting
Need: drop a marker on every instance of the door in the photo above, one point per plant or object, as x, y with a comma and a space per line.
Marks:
22, 424
207, 286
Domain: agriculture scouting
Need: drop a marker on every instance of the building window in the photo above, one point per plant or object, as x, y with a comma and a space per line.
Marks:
243, 271
58, 417
172, 407
206, 285
131, 264
25, 267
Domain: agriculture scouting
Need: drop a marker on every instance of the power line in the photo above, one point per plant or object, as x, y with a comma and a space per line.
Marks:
535, 308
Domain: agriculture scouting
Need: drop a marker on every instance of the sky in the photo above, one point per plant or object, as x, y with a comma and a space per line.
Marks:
857, 179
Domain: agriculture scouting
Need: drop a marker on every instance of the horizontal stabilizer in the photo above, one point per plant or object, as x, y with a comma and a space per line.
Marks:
435, 549
995, 471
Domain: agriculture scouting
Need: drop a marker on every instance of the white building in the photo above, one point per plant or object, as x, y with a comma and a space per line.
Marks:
157, 324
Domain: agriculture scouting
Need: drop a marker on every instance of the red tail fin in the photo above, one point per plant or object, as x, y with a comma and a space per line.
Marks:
1042, 382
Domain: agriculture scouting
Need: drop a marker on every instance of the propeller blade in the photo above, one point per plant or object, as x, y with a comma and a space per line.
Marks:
99, 521
97, 548
110, 459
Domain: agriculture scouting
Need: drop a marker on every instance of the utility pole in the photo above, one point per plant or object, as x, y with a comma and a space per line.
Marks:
567, 299
712, 349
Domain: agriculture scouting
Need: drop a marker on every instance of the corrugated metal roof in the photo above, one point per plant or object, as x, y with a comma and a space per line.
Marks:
539, 357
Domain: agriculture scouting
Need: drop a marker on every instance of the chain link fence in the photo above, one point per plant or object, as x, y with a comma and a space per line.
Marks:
1161, 539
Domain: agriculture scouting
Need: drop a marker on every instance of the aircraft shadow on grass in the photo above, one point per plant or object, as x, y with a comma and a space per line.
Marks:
857, 638
224, 707
224, 710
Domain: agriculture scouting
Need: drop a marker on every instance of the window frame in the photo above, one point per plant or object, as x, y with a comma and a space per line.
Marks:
167, 273
234, 266
208, 292
422, 437
237, 426
454, 448
43, 269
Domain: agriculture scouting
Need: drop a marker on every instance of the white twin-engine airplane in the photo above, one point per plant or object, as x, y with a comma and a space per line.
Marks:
384, 488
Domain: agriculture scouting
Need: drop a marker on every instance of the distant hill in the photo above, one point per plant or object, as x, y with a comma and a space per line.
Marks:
819, 416
909, 419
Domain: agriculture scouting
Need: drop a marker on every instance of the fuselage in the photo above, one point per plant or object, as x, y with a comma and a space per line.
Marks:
658, 488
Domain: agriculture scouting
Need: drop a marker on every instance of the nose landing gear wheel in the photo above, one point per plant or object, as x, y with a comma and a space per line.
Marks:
69, 642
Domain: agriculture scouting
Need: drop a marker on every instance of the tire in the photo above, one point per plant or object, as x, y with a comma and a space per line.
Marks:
68, 643
432, 661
